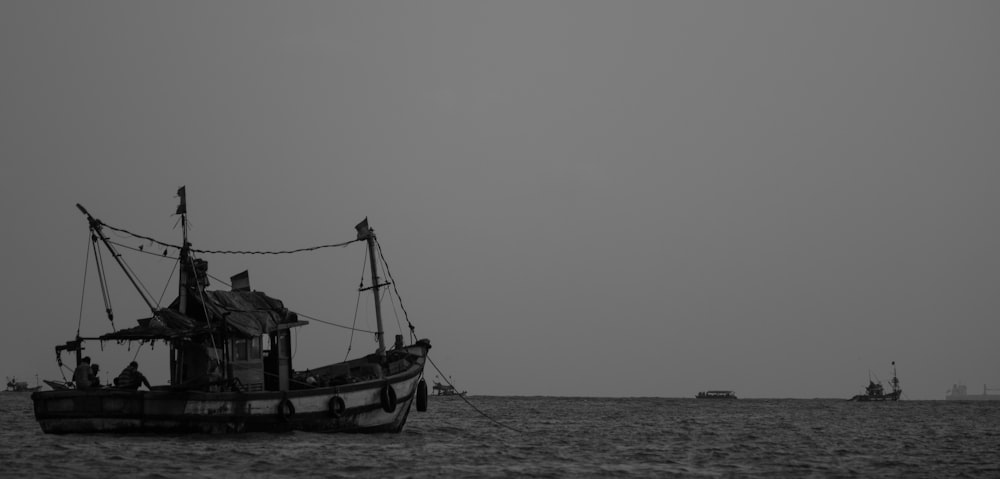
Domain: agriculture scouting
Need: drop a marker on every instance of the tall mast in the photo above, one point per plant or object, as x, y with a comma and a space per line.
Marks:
184, 260
368, 234
895, 380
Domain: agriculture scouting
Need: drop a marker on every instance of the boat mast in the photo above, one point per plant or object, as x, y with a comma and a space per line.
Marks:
368, 234
182, 280
895, 380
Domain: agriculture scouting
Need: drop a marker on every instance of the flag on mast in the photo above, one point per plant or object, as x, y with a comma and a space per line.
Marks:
363, 230
182, 208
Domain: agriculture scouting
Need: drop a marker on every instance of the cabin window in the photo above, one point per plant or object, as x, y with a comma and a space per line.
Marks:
282, 344
240, 349
254, 348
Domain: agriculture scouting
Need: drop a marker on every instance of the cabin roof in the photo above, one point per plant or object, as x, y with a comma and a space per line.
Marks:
243, 313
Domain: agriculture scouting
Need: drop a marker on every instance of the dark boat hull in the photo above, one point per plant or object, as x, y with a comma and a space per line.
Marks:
379, 405
893, 396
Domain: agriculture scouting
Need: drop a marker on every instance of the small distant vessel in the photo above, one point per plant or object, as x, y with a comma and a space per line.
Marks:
959, 392
446, 390
875, 392
15, 386
716, 395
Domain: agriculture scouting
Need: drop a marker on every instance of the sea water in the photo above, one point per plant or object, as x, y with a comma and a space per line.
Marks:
553, 437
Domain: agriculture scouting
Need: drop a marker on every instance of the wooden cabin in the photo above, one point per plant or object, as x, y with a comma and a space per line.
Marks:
244, 333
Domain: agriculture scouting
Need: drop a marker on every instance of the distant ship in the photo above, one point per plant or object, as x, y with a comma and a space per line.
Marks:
875, 392
15, 386
959, 392
716, 395
447, 390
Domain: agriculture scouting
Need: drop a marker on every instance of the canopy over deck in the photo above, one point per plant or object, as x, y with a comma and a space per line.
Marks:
242, 313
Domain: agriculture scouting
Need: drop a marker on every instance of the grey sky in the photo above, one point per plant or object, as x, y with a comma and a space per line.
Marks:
576, 198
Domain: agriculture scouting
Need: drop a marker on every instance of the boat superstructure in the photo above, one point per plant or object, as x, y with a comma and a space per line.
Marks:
876, 392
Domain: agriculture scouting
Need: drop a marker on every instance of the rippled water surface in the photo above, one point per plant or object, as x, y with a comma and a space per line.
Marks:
559, 437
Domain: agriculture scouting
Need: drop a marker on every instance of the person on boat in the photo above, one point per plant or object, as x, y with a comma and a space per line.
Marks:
131, 378
95, 379
81, 375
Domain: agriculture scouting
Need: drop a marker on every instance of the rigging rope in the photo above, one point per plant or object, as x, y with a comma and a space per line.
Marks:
357, 304
395, 313
201, 297
224, 282
352, 328
167, 284
138, 281
143, 251
105, 293
204, 251
83, 294
413, 334
335, 324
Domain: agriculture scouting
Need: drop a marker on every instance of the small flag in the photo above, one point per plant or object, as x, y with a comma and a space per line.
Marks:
363, 230
182, 208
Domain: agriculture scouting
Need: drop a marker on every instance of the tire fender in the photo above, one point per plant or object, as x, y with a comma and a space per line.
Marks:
337, 406
387, 397
422, 396
285, 409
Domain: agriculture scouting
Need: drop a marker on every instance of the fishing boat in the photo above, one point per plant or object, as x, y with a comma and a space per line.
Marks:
15, 386
875, 392
230, 361
959, 392
716, 395
446, 390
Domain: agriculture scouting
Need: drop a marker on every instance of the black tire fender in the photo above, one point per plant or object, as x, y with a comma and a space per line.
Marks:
337, 406
388, 398
285, 409
422, 395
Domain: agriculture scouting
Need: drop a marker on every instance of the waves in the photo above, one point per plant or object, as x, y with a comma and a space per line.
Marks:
562, 437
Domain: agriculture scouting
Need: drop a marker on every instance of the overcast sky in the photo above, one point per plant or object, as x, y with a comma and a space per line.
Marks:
575, 198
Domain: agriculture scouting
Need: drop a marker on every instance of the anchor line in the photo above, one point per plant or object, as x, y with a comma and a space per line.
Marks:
487, 416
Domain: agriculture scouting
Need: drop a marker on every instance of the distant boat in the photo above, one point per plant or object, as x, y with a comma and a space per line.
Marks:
959, 392
716, 395
15, 386
875, 392
230, 363
446, 390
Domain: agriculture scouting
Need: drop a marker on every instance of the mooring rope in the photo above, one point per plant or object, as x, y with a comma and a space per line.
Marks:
487, 416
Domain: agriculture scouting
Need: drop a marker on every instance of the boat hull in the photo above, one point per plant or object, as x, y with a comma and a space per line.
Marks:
893, 396
973, 397
380, 405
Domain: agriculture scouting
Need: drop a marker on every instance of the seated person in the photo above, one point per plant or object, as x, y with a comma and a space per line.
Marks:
131, 378
81, 375
95, 379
